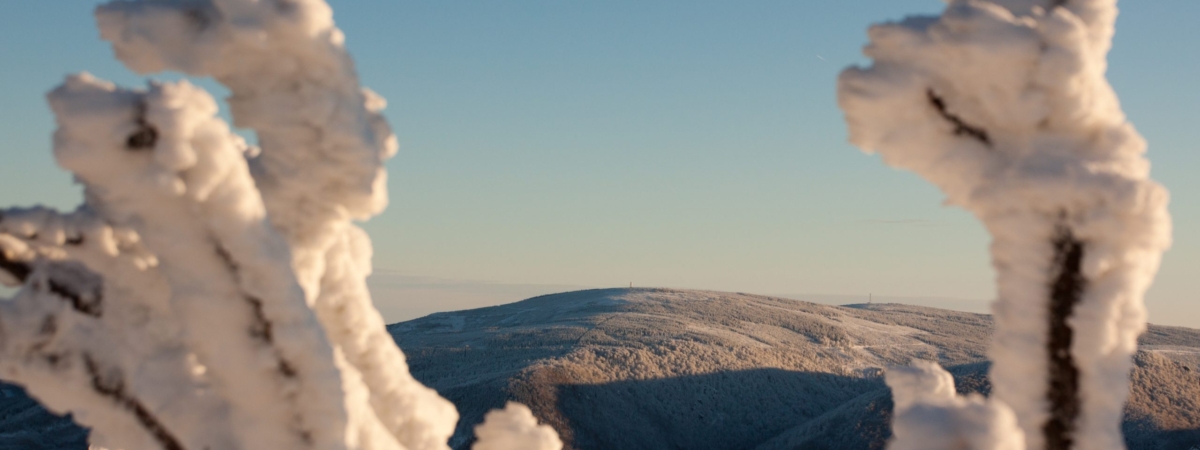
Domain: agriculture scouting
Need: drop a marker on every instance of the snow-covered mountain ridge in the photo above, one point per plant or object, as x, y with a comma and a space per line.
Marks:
675, 369
664, 369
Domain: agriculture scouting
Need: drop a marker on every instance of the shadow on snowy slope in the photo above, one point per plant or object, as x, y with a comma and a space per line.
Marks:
662, 369
771, 409
726, 410
761, 409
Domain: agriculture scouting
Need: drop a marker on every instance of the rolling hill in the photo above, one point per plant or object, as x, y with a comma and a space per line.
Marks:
673, 369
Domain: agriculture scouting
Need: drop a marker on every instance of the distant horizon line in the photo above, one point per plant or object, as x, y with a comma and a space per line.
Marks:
433, 281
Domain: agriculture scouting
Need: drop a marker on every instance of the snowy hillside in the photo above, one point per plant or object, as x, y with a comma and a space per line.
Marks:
670, 369
662, 369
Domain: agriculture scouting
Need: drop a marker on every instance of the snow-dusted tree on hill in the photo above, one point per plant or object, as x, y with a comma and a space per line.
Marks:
1004, 105
210, 294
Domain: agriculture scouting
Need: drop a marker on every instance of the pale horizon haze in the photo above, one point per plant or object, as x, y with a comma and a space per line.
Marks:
551, 146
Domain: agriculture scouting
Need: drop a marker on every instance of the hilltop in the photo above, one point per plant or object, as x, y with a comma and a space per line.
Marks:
676, 369
661, 368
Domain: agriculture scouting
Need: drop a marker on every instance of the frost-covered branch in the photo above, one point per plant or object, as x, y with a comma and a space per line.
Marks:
514, 428
929, 415
90, 334
161, 161
211, 295
323, 144
1003, 104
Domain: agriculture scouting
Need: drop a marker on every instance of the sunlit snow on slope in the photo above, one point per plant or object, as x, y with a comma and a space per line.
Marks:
658, 368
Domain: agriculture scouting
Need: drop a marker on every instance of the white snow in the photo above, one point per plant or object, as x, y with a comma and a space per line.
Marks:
929, 415
213, 294
209, 294
191, 199
1004, 106
514, 428
323, 146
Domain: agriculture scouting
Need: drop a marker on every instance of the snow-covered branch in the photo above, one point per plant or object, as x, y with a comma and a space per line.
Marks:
210, 294
514, 428
1004, 105
929, 415
323, 145
162, 162
90, 333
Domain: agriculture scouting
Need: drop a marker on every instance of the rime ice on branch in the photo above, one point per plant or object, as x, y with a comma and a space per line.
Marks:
321, 166
186, 300
514, 428
210, 295
930, 416
1005, 107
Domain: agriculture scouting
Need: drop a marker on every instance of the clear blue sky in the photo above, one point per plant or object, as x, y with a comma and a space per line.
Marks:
691, 144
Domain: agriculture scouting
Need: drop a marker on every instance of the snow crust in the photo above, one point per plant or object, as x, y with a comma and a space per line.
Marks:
514, 428
1004, 106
